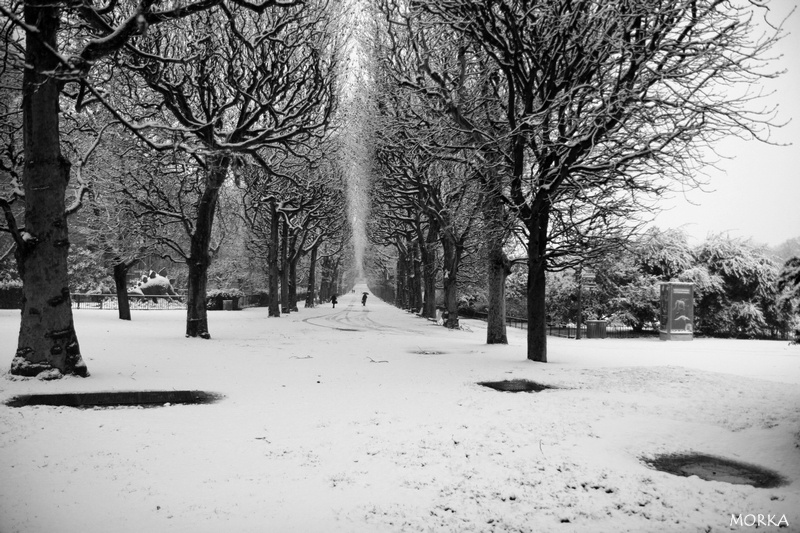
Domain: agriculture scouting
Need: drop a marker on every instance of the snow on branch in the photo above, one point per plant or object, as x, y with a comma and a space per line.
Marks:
84, 186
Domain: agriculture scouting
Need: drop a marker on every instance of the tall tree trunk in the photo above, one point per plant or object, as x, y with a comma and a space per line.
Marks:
579, 319
429, 279
429, 268
121, 287
402, 278
498, 269
285, 268
293, 284
452, 260
312, 278
498, 265
274, 301
416, 270
47, 340
199, 256
537, 310
336, 281
325, 282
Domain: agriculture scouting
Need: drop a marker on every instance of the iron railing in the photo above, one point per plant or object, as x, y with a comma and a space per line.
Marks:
611, 332
136, 302
156, 302
568, 330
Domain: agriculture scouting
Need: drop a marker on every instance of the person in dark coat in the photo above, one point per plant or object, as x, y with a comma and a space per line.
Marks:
334, 301
364, 299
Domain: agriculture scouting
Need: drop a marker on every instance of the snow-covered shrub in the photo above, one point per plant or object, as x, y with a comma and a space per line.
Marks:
10, 293
9, 283
104, 287
746, 319
226, 294
743, 298
561, 293
637, 303
260, 298
214, 298
472, 302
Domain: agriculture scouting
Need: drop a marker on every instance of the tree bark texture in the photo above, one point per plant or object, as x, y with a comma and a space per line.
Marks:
199, 257
537, 310
498, 269
121, 287
293, 284
47, 340
579, 319
401, 300
429, 268
498, 265
452, 260
429, 278
416, 285
312, 278
285, 308
336, 277
274, 301
325, 282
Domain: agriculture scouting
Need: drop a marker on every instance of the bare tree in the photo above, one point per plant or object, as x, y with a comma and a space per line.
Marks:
254, 81
455, 78
323, 218
609, 95
429, 172
439, 193
105, 221
401, 223
292, 214
11, 157
47, 339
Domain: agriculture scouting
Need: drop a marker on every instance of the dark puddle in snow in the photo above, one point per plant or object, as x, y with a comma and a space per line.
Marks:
712, 468
516, 385
88, 400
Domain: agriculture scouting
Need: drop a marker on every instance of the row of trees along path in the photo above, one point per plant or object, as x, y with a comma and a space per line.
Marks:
574, 116
536, 127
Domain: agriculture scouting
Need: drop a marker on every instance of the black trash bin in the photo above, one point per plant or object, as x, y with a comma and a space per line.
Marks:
595, 329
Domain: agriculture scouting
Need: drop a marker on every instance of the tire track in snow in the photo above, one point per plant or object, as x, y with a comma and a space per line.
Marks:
350, 319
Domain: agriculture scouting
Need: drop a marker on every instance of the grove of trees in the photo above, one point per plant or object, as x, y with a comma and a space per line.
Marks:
201, 88
487, 151
574, 117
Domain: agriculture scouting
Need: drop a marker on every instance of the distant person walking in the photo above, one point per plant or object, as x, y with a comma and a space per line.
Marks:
364, 299
334, 301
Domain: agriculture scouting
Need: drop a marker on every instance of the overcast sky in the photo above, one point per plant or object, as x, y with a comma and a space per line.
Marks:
756, 194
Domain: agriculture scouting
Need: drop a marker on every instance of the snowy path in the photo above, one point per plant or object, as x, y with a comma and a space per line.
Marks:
369, 419
358, 317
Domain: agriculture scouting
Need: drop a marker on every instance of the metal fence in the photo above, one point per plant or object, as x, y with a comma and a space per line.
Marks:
622, 332
158, 302
136, 302
258, 300
568, 330
611, 332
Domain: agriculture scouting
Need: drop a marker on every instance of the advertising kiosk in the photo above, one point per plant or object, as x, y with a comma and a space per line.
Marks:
676, 320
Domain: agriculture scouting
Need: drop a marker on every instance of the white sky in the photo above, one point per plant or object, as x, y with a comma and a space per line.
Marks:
756, 193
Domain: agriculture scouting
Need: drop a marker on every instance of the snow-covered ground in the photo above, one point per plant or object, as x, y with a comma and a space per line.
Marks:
370, 419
